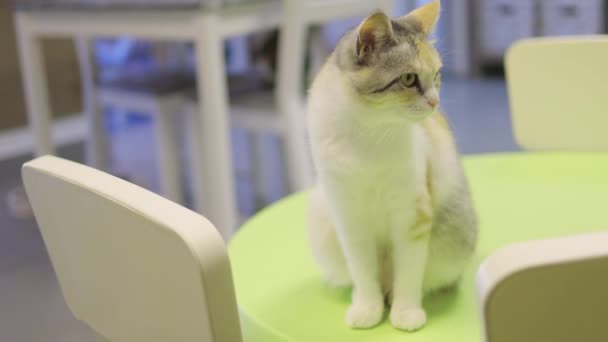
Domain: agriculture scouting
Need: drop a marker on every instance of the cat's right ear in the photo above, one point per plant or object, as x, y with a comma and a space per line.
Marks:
374, 32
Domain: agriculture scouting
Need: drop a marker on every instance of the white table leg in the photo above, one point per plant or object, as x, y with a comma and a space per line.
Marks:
258, 168
459, 37
168, 152
96, 153
271, 180
289, 95
214, 178
35, 85
318, 53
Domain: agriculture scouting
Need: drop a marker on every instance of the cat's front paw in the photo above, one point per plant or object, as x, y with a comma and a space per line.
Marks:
408, 319
365, 314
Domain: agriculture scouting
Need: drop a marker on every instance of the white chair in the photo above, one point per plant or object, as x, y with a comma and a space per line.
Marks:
131, 264
558, 94
549, 290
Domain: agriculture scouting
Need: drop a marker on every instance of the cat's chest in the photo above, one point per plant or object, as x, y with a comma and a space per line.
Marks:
377, 190
371, 170
358, 159
379, 195
381, 169
386, 184
368, 152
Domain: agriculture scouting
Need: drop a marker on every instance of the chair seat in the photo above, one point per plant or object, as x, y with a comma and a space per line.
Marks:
159, 82
247, 89
124, 4
518, 197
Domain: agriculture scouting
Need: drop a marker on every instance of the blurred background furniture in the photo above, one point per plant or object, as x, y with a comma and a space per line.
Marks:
538, 290
206, 24
131, 264
144, 79
549, 113
158, 95
212, 144
502, 22
516, 195
63, 83
572, 17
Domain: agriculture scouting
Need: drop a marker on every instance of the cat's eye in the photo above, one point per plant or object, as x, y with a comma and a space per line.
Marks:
409, 80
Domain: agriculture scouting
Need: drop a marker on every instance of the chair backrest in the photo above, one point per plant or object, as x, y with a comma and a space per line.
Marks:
557, 90
550, 290
132, 265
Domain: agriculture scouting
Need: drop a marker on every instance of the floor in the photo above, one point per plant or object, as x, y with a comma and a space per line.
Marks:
31, 306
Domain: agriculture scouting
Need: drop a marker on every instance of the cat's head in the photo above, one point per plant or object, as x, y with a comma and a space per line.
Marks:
392, 65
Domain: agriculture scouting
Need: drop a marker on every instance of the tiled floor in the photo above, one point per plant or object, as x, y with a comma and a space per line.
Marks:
31, 306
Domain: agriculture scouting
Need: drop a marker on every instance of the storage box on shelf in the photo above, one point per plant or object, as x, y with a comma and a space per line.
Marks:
571, 17
501, 22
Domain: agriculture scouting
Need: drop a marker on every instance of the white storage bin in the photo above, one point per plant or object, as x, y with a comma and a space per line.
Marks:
570, 17
502, 22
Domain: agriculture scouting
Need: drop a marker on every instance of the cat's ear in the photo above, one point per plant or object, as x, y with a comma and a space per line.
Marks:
424, 18
374, 32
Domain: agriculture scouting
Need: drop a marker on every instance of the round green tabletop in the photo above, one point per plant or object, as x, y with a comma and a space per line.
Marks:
524, 196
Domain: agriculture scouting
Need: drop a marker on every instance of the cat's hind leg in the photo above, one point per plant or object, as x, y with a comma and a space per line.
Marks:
325, 245
450, 251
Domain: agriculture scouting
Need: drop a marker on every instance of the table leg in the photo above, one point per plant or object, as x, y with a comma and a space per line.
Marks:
318, 53
96, 152
289, 95
168, 151
214, 171
34, 85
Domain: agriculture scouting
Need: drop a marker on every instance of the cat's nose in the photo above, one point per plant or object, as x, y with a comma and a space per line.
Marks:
432, 102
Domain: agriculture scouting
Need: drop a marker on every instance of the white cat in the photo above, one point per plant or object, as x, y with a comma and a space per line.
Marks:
391, 213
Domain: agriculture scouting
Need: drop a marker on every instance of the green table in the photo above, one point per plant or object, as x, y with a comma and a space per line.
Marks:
518, 197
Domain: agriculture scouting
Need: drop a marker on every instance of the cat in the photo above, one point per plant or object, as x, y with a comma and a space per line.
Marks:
391, 214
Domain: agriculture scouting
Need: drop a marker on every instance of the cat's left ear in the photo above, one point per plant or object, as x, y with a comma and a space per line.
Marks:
375, 32
424, 18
